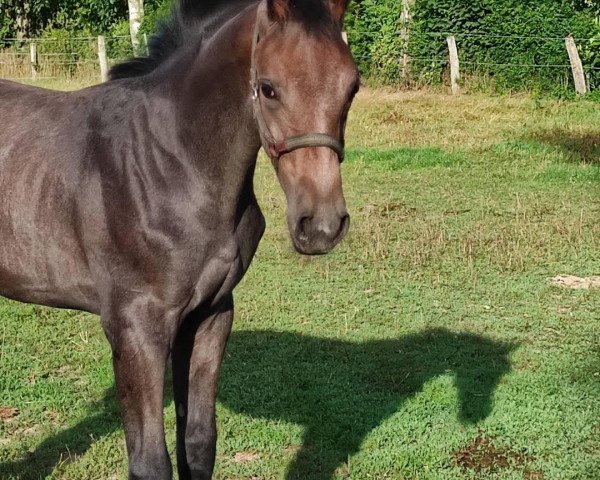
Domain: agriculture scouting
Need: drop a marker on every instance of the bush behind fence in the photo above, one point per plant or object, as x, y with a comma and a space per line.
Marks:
514, 44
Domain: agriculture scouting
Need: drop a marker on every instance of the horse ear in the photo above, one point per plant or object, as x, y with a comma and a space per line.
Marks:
278, 10
338, 9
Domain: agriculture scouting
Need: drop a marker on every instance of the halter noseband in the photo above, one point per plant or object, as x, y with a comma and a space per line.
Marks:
275, 149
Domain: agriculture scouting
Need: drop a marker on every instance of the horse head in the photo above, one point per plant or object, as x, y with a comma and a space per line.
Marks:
304, 80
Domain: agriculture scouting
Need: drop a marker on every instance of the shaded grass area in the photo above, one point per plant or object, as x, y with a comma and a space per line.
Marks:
578, 146
429, 345
340, 391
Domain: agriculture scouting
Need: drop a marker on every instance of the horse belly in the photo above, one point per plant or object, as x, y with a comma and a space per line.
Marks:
41, 260
46, 275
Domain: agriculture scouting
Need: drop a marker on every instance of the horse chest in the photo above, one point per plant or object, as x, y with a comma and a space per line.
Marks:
223, 271
245, 242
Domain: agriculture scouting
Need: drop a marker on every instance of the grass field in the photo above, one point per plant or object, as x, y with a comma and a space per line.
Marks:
430, 345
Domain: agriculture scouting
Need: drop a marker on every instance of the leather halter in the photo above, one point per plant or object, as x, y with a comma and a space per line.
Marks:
275, 149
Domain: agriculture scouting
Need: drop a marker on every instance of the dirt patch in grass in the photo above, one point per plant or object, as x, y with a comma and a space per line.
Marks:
575, 283
245, 457
54, 417
389, 209
482, 454
533, 475
8, 413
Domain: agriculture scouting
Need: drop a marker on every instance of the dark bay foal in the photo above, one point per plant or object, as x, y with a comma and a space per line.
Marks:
134, 199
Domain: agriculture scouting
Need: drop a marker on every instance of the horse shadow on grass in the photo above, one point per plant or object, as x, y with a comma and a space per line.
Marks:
66, 445
579, 147
338, 391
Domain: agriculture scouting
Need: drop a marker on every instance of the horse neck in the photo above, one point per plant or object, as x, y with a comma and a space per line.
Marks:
210, 90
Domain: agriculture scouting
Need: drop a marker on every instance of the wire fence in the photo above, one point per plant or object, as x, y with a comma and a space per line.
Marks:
61, 57
463, 40
78, 56
507, 61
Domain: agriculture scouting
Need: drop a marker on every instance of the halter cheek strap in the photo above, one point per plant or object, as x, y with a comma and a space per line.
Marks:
275, 149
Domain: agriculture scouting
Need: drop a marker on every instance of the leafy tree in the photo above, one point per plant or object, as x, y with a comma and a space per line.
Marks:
96, 16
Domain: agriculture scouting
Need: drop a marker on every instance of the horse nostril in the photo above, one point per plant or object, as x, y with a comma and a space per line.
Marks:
303, 228
344, 225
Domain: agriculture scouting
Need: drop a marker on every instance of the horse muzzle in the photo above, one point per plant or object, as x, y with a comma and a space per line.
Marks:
319, 235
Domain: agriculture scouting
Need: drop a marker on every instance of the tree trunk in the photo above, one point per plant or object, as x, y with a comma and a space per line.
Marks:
22, 21
136, 15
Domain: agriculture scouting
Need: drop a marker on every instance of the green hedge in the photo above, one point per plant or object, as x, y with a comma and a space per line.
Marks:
487, 33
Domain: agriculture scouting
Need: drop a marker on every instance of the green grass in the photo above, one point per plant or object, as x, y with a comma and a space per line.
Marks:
429, 345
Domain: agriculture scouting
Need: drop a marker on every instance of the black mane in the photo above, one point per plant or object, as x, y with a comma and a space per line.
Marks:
190, 19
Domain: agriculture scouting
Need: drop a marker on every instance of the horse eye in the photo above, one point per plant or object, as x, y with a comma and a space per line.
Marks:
268, 91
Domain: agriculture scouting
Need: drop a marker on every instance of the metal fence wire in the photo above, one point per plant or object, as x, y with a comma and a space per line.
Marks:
58, 57
65, 57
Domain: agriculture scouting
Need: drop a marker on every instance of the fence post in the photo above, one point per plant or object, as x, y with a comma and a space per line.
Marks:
454, 65
576, 66
102, 58
405, 19
146, 44
33, 59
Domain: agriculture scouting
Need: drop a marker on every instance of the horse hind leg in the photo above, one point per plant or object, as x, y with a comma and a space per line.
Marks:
139, 361
197, 359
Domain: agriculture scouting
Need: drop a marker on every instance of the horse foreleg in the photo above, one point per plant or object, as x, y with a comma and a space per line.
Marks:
196, 362
139, 360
